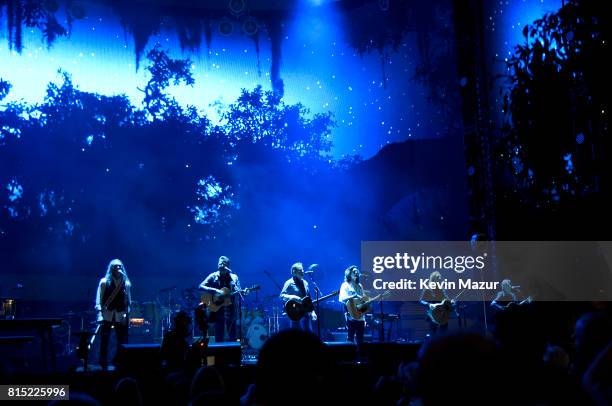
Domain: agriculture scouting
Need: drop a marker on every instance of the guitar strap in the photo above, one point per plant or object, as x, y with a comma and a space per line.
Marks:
112, 296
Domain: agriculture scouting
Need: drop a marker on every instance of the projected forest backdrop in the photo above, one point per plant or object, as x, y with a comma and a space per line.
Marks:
167, 182
159, 137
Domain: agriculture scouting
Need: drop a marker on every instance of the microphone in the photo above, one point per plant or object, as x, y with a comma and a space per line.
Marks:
516, 287
308, 272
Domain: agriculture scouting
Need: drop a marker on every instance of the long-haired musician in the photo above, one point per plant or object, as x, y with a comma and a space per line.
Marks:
113, 300
507, 297
504, 296
352, 289
431, 297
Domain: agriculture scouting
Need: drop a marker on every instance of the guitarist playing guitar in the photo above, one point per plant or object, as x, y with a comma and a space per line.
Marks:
350, 292
432, 298
221, 284
296, 288
506, 298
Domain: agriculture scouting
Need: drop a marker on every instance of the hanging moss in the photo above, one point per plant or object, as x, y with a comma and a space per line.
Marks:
140, 23
369, 26
33, 14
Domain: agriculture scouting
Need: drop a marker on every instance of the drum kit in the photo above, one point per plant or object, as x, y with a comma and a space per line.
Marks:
260, 320
65, 332
261, 317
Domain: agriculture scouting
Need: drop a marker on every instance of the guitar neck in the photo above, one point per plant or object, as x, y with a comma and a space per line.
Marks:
245, 290
375, 298
324, 297
372, 300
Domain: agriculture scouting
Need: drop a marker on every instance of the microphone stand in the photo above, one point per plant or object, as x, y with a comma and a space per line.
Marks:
381, 333
317, 294
240, 318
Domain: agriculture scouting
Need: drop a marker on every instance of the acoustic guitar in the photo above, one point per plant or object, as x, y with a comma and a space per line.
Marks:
358, 307
514, 304
296, 309
215, 301
439, 313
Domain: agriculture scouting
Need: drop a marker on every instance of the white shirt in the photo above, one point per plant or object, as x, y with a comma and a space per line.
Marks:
347, 290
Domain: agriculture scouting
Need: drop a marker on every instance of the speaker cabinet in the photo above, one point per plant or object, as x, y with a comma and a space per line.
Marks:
227, 353
341, 351
139, 357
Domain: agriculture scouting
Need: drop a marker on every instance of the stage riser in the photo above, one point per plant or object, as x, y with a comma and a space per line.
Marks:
143, 357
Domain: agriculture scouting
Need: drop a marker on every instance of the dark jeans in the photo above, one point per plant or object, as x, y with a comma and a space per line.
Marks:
121, 330
224, 319
303, 324
435, 328
356, 329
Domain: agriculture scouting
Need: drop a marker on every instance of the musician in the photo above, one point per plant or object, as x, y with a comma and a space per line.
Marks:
113, 300
352, 289
297, 288
507, 298
504, 296
225, 318
431, 297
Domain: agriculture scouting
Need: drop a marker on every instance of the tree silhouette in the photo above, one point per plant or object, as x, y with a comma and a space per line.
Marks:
5, 88
80, 157
555, 136
163, 71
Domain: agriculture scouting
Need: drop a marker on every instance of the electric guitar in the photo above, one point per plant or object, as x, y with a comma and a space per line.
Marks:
358, 306
297, 308
215, 301
439, 313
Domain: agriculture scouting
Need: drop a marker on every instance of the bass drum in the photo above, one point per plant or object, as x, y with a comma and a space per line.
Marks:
257, 334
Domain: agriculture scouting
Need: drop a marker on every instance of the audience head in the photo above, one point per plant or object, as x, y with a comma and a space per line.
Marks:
592, 333
182, 323
291, 369
556, 357
459, 369
127, 392
207, 380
